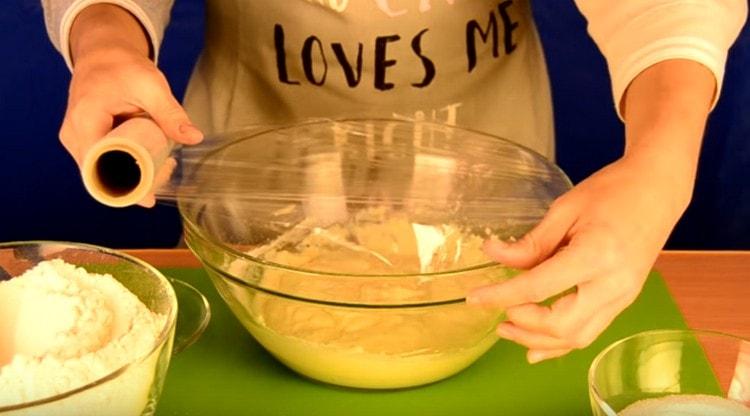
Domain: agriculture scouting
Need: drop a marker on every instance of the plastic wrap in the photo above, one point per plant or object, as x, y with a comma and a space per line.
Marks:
399, 196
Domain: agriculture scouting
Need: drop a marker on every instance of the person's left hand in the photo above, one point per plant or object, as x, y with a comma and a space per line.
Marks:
601, 238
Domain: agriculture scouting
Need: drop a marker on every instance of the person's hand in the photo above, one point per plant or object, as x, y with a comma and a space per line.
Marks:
118, 84
113, 78
601, 239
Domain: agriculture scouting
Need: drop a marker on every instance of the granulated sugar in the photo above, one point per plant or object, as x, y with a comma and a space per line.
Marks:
62, 328
686, 405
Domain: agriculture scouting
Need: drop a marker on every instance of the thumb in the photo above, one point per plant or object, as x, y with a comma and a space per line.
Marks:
160, 179
167, 112
81, 128
536, 245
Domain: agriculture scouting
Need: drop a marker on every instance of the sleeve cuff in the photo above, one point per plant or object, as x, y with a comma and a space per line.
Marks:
682, 47
130, 5
636, 34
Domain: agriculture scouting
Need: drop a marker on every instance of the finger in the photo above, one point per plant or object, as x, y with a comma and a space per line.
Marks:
82, 127
576, 319
581, 338
535, 356
553, 320
567, 314
530, 339
566, 269
536, 245
593, 324
532, 317
149, 201
167, 112
164, 174
160, 179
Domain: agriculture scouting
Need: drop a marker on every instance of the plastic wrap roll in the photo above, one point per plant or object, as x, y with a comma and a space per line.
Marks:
120, 170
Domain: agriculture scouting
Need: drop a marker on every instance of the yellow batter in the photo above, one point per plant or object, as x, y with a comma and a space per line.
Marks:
366, 347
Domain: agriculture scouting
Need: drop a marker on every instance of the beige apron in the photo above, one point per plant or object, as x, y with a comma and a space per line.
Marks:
472, 63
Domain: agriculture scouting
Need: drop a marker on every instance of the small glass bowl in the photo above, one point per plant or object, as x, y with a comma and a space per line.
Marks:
133, 389
683, 371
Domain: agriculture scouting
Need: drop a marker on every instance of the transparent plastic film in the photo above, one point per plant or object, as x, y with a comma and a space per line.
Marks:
137, 164
381, 197
391, 196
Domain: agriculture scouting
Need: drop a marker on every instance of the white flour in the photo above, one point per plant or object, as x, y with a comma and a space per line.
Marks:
62, 328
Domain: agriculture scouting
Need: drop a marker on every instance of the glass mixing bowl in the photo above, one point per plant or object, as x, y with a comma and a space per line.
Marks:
672, 372
346, 248
134, 388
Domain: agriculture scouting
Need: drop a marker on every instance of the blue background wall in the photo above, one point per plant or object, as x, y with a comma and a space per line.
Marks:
43, 198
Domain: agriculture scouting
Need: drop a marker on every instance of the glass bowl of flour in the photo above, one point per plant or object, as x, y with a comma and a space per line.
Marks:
347, 248
84, 330
672, 372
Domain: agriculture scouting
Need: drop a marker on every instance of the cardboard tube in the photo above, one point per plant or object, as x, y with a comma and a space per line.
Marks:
119, 169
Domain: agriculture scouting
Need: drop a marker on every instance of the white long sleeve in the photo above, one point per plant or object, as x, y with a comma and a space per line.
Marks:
635, 34
60, 14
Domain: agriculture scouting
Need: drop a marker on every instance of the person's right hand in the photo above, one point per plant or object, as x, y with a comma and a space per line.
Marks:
113, 79
114, 84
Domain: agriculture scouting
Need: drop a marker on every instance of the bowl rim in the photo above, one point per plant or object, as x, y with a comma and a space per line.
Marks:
681, 332
237, 136
333, 303
160, 341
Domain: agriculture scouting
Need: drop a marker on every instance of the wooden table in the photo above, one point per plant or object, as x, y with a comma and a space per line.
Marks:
712, 288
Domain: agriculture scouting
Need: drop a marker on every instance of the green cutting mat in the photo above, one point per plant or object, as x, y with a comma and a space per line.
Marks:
227, 373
